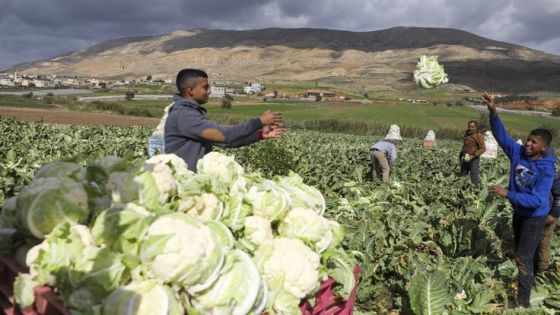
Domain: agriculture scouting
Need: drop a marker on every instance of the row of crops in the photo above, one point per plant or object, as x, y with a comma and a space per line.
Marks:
427, 243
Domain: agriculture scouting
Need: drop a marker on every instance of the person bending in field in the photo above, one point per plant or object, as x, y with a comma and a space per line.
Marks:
543, 250
473, 147
190, 134
384, 153
530, 182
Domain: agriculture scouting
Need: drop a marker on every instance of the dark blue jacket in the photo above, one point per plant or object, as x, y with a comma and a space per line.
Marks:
555, 197
186, 122
530, 181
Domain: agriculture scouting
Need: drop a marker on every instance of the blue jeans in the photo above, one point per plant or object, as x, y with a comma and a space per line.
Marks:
527, 233
156, 145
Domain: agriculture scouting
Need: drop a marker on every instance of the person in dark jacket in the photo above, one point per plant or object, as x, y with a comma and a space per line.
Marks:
543, 251
190, 134
473, 147
530, 182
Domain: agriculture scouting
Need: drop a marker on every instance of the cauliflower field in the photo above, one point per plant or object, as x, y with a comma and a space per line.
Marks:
427, 243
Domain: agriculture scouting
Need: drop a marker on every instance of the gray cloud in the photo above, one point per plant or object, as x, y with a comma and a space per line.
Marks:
40, 29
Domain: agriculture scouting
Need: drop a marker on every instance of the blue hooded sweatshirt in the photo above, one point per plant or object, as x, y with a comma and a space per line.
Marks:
555, 197
187, 121
530, 181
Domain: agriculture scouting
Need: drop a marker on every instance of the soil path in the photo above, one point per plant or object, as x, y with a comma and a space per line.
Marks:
64, 116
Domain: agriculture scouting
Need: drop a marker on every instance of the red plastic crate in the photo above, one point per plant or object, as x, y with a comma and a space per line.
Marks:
46, 302
328, 303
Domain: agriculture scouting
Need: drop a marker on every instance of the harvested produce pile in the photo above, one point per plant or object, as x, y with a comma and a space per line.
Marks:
160, 239
428, 230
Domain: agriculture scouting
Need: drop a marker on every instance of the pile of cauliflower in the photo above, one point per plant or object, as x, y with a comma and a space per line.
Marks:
156, 238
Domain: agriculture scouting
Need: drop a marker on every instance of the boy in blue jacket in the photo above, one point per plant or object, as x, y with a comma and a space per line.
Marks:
530, 181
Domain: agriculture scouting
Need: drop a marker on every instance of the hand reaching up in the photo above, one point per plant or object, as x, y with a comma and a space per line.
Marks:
490, 104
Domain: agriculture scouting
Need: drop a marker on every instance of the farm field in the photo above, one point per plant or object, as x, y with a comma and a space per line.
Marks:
426, 234
353, 118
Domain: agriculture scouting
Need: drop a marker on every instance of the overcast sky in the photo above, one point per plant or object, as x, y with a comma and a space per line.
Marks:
41, 29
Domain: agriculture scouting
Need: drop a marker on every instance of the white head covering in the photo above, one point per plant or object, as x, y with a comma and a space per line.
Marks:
394, 133
431, 136
520, 141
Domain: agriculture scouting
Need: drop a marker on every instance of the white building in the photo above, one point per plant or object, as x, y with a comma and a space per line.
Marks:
256, 87
248, 90
220, 91
217, 91
70, 82
40, 83
7, 82
94, 82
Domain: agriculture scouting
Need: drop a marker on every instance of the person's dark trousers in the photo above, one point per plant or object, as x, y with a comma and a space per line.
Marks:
543, 250
472, 168
527, 233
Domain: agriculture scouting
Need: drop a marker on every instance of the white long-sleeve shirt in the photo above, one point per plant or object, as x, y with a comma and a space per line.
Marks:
388, 149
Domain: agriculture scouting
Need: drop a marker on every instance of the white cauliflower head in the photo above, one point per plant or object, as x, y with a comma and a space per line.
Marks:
258, 230
205, 206
181, 250
291, 271
177, 165
220, 166
308, 226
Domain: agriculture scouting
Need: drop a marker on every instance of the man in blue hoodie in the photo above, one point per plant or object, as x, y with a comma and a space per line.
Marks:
190, 134
530, 181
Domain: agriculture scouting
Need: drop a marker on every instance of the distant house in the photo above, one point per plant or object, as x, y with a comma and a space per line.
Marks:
40, 83
220, 91
248, 90
324, 94
94, 82
256, 87
217, 91
7, 82
70, 82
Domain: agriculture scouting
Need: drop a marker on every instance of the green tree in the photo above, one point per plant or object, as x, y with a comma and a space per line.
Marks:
129, 95
556, 111
227, 100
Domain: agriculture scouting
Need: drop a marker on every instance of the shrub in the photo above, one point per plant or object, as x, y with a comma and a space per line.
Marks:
226, 101
129, 95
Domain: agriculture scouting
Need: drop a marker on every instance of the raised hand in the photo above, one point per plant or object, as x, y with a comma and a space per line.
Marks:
271, 118
490, 104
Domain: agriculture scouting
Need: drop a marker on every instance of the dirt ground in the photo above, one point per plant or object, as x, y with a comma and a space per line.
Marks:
64, 116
